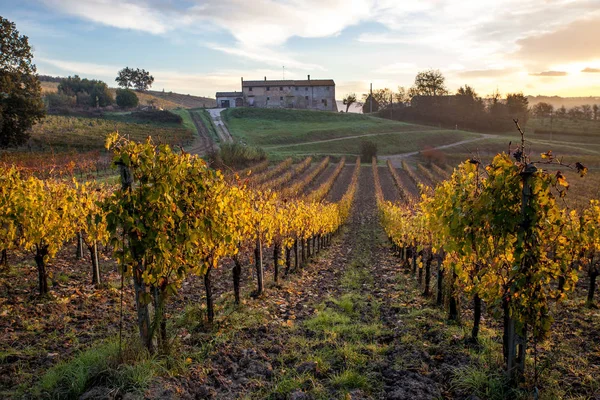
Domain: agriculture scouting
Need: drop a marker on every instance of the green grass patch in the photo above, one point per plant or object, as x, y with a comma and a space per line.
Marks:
186, 118
272, 127
349, 380
98, 366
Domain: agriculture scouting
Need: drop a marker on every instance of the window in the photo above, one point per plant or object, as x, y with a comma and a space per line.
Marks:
268, 98
296, 88
250, 89
306, 89
327, 87
281, 98
268, 88
280, 87
324, 101
306, 97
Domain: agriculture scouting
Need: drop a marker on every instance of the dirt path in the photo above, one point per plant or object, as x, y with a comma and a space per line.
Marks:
341, 183
388, 187
222, 131
396, 159
348, 137
332, 331
203, 143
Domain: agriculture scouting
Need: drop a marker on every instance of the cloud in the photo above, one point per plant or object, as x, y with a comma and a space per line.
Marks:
119, 14
397, 68
577, 41
272, 22
266, 56
549, 73
75, 67
486, 73
591, 70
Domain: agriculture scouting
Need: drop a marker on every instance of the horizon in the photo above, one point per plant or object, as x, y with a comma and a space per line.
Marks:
201, 47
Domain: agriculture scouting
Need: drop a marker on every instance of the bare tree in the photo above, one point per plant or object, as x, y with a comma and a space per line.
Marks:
429, 83
349, 99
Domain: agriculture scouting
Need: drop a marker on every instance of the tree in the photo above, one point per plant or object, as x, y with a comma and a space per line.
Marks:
543, 110
21, 104
127, 98
142, 80
518, 106
89, 92
429, 83
561, 112
575, 113
587, 112
367, 104
595, 111
125, 77
349, 99
469, 106
401, 96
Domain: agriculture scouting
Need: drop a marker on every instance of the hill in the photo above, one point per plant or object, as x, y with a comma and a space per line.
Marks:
165, 100
184, 100
284, 133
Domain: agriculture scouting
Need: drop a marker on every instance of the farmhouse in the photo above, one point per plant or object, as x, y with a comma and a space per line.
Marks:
230, 99
315, 94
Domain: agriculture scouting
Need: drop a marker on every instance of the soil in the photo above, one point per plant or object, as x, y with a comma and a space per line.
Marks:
388, 187
341, 184
203, 143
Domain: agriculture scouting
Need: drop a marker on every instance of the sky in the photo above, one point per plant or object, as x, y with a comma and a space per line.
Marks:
538, 47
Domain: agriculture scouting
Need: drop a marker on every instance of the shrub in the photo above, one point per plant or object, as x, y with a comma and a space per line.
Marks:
368, 150
127, 98
59, 100
238, 155
83, 99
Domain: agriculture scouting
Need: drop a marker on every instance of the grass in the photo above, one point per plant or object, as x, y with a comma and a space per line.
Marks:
339, 344
187, 119
564, 126
98, 366
62, 133
208, 123
284, 133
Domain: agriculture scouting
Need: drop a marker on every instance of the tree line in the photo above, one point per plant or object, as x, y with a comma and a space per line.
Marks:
584, 112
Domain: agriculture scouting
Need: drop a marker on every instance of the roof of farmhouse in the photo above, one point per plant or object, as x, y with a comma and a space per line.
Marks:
229, 94
289, 82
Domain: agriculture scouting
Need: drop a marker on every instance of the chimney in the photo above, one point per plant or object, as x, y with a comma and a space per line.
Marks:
309, 77
265, 78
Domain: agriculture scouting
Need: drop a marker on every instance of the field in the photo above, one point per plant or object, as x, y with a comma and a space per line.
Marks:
60, 133
347, 315
291, 132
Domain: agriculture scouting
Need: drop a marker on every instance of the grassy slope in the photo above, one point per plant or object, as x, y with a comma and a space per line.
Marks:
81, 134
167, 100
284, 132
208, 123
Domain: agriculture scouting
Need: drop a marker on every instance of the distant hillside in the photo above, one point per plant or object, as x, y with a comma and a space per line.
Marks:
185, 100
568, 102
165, 100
